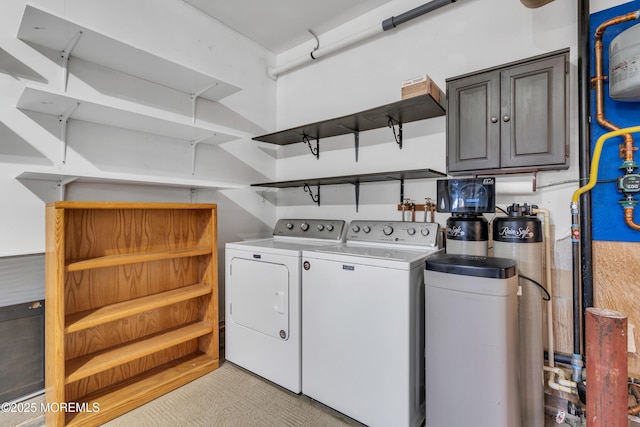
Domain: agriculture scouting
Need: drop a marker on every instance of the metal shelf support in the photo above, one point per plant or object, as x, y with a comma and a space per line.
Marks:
357, 185
316, 151
194, 100
316, 197
62, 186
356, 138
397, 136
65, 54
194, 145
64, 121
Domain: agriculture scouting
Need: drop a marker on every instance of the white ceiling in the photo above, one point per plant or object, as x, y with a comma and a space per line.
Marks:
279, 25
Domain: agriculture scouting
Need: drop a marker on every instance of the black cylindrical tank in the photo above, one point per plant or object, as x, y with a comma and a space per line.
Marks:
467, 235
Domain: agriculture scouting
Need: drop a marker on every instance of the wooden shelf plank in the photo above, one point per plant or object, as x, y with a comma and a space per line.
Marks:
90, 318
90, 364
132, 258
130, 394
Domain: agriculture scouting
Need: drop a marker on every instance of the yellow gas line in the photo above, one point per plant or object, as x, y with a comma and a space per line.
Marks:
593, 174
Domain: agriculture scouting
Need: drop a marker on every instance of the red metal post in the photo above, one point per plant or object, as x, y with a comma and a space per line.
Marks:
607, 370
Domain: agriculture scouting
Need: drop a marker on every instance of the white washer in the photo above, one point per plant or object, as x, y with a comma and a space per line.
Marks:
363, 322
263, 299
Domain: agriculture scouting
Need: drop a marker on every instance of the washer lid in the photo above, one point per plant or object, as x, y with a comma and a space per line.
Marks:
290, 247
378, 256
469, 265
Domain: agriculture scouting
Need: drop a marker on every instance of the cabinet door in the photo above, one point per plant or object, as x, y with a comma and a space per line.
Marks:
534, 115
473, 128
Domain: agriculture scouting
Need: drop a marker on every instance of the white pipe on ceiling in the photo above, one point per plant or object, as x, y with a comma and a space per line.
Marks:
387, 24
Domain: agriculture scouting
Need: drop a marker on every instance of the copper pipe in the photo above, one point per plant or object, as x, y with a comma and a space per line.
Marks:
628, 219
599, 78
607, 370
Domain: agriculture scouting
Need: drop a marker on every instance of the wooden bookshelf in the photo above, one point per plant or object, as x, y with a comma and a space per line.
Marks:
132, 311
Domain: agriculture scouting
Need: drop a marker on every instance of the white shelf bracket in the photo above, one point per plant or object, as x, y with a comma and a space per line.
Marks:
194, 145
62, 186
64, 121
194, 99
65, 54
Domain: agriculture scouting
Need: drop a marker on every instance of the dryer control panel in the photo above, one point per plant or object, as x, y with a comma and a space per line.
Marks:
426, 234
329, 229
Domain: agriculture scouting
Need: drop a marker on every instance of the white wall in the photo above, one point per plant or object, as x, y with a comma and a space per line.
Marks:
31, 142
457, 39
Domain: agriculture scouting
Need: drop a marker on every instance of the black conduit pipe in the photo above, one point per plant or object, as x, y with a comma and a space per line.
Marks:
581, 212
394, 21
584, 138
559, 357
576, 361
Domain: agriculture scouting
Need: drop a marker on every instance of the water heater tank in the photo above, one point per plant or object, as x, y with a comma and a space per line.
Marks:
624, 65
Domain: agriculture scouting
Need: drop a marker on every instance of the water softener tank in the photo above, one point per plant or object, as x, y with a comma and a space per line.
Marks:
519, 236
624, 65
467, 235
471, 341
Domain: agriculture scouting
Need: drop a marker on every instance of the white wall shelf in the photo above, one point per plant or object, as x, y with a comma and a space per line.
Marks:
59, 180
71, 39
13, 67
126, 115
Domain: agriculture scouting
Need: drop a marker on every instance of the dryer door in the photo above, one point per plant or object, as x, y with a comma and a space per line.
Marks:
260, 296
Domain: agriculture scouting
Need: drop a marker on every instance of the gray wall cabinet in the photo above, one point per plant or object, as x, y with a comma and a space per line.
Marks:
510, 118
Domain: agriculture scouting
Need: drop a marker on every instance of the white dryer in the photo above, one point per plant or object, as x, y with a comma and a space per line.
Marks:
263, 298
363, 322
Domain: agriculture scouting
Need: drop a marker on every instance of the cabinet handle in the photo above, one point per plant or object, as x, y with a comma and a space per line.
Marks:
494, 119
506, 118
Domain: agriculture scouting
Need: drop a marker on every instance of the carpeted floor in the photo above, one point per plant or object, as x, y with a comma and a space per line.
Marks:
228, 396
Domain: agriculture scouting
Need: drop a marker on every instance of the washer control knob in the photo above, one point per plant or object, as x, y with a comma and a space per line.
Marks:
329, 227
424, 231
411, 231
366, 229
355, 228
320, 227
387, 230
289, 225
304, 226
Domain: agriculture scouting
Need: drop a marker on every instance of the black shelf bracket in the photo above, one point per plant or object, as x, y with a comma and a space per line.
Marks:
316, 197
356, 136
397, 136
401, 190
316, 151
357, 184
